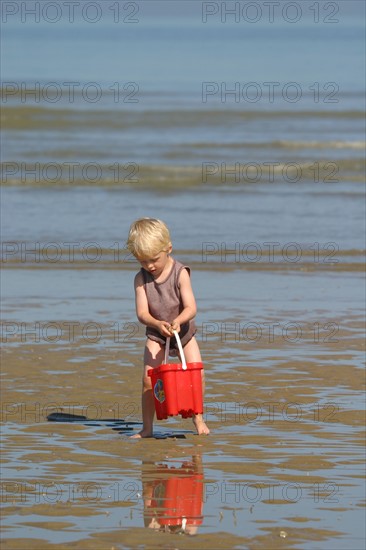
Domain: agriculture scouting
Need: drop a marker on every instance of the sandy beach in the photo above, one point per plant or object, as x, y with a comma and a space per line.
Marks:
283, 463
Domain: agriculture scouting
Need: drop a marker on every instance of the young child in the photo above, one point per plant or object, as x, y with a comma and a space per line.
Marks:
164, 302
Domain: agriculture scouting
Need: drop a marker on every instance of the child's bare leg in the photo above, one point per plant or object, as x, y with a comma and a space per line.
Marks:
153, 357
198, 421
193, 355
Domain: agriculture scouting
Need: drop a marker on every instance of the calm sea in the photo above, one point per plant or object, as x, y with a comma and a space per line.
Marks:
259, 110
180, 84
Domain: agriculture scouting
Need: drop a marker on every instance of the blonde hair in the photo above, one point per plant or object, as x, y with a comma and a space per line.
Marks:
147, 237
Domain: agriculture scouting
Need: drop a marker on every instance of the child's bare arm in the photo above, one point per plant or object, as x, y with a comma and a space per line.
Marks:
142, 309
188, 299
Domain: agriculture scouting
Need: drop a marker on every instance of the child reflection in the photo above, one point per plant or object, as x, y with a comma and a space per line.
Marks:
173, 496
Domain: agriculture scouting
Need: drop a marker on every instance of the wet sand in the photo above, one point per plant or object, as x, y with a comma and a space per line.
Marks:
282, 468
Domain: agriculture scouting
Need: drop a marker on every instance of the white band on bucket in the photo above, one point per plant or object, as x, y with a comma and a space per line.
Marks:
180, 347
167, 346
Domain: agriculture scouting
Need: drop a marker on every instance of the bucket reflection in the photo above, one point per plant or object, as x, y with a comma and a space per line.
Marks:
173, 495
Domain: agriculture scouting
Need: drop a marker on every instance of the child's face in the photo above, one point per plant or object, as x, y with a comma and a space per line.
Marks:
157, 263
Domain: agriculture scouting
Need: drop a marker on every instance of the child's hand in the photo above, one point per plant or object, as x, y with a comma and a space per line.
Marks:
164, 328
175, 326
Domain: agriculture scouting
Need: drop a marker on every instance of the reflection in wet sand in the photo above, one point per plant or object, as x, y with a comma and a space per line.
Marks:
173, 495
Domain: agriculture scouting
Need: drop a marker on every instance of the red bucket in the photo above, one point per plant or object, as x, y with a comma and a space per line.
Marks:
177, 387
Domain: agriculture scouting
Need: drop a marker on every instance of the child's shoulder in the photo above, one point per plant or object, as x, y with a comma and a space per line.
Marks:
182, 268
184, 276
139, 278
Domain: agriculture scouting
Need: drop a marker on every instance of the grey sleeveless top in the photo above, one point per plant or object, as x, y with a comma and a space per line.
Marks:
165, 304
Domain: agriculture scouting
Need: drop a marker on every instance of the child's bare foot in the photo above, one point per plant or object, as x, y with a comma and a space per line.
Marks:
141, 434
200, 425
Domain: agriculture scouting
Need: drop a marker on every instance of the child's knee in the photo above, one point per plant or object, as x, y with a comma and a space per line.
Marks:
146, 382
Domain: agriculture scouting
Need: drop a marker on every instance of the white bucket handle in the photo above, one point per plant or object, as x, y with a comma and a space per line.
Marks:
180, 347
